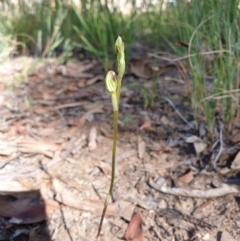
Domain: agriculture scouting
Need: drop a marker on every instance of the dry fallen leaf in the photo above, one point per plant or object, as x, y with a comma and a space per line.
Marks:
32, 146
78, 121
147, 126
236, 162
235, 137
141, 69
186, 178
134, 230
76, 70
182, 44
198, 143
94, 80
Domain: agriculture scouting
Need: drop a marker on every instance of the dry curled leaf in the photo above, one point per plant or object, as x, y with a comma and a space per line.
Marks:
141, 68
236, 162
78, 121
134, 230
76, 70
187, 177
198, 143
147, 126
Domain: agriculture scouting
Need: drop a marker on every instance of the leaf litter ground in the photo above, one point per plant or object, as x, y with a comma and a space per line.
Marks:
55, 157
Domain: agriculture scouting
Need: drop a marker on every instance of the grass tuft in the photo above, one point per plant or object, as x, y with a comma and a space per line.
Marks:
208, 28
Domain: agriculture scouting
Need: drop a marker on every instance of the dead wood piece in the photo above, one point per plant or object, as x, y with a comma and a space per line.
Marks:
181, 220
210, 193
65, 196
120, 208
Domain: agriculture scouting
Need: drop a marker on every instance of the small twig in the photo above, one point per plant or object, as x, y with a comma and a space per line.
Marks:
68, 105
214, 145
178, 112
221, 149
189, 55
210, 193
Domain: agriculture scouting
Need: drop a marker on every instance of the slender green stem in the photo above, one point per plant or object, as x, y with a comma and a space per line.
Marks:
115, 126
115, 133
119, 89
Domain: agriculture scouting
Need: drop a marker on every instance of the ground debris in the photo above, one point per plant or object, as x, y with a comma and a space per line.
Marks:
55, 158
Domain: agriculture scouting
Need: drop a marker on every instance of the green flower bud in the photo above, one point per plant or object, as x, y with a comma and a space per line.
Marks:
120, 57
119, 44
111, 81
